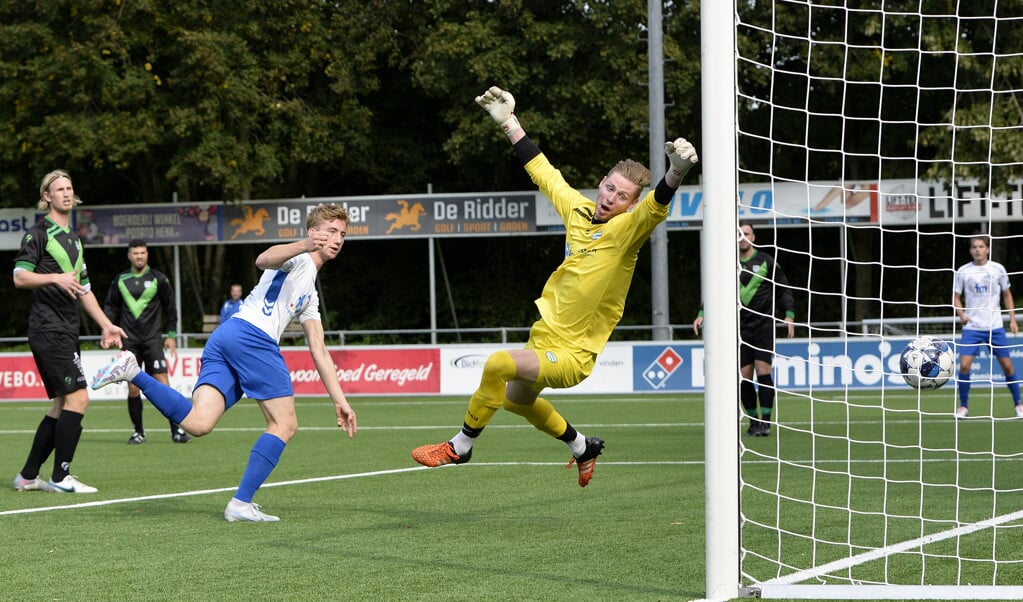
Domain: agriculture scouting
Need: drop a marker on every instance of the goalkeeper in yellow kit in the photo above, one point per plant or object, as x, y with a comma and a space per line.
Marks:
582, 301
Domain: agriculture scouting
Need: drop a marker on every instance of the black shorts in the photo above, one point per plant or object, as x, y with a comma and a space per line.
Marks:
59, 361
757, 343
149, 355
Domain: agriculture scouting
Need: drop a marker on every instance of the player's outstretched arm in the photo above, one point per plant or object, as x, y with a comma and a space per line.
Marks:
682, 157
501, 106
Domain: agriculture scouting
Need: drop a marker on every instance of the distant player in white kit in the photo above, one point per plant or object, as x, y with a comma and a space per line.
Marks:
980, 288
243, 357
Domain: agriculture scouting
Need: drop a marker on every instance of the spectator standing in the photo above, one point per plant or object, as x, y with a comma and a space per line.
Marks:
233, 303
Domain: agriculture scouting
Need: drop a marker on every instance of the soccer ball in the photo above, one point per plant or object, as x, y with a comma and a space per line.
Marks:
927, 363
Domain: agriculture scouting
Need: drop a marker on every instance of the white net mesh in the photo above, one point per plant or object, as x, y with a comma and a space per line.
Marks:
874, 139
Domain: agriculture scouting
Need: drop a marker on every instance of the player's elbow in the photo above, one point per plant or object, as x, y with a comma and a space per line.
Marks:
20, 278
263, 263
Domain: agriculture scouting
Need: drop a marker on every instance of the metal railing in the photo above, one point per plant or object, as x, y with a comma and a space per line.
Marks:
511, 335
504, 335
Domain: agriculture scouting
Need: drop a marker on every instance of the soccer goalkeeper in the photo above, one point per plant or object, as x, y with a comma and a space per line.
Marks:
582, 301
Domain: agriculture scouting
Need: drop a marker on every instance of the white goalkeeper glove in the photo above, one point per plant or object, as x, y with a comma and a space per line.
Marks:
500, 104
682, 155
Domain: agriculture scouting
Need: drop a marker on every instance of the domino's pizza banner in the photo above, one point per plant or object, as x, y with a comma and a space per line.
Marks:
623, 368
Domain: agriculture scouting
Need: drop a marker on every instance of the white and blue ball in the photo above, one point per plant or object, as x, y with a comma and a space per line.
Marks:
927, 362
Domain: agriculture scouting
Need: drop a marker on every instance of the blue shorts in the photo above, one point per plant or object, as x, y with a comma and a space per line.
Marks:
972, 339
240, 359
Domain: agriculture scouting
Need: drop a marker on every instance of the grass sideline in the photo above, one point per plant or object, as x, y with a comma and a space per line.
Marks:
359, 519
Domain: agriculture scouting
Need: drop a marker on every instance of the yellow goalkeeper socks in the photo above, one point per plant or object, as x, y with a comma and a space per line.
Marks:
540, 414
499, 369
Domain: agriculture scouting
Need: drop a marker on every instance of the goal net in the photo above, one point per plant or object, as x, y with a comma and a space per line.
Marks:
873, 141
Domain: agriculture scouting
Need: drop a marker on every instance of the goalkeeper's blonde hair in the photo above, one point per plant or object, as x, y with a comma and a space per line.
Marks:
633, 171
326, 213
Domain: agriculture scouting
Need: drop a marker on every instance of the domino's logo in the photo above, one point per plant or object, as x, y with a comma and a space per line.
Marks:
661, 369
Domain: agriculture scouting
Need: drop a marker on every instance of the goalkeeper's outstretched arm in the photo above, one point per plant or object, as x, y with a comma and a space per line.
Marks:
500, 104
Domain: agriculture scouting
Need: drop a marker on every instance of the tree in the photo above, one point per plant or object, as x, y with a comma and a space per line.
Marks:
577, 70
146, 100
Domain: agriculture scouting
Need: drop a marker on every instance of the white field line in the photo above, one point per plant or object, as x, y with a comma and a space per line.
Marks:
375, 473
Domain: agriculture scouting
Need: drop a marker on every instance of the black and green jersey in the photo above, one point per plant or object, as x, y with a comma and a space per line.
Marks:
763, 290
48, 248
141, 304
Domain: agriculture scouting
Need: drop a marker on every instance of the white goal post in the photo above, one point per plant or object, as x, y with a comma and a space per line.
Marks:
890, 134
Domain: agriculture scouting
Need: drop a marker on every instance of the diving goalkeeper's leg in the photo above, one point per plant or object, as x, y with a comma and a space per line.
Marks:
544, 417
500, 368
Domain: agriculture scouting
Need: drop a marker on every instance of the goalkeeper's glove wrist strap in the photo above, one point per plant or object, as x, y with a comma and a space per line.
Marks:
680, 172
511, 125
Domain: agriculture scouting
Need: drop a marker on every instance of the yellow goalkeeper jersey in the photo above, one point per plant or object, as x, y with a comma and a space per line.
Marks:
584, 298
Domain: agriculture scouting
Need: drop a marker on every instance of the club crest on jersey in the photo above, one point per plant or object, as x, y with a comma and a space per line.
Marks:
551, 357
298, 304
597, 235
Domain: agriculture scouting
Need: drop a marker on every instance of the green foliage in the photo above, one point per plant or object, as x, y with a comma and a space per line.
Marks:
945, 108
576, 70
270, 99
286, 98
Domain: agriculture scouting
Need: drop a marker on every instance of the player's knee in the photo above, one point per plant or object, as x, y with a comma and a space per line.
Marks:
500, 365
285, 431
196, 427
515, 408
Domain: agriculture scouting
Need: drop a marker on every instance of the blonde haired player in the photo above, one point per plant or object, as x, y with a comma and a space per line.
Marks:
243, 356
51, 263
582, 301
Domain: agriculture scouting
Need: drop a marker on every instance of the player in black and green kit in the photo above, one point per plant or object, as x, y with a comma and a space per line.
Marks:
764, 293
51, 264
141, 301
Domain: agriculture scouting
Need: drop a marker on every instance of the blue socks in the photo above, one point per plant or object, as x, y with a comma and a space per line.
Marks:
171, 404
265, 454
963, 382
1013, 385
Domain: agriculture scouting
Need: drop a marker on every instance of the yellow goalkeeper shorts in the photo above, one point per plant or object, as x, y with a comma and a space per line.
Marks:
561, 366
